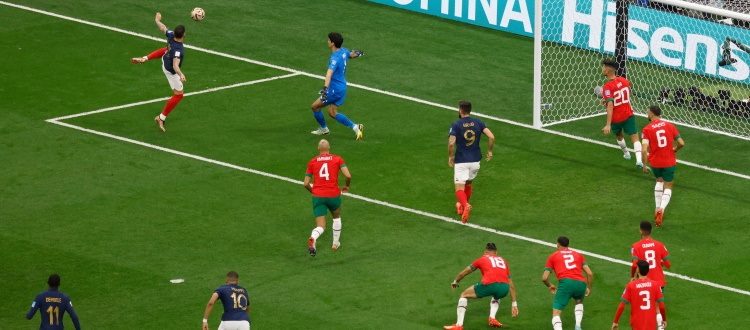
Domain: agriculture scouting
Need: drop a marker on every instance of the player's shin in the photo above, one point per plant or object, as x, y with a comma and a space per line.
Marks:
638, 148
623, 146
316, 233
336, 229
156, 54
494, 306
344, 120
171, 104
461, 310
320, 118
579, 314
461, 197
665, 198
467, 191
557, 323
658, 192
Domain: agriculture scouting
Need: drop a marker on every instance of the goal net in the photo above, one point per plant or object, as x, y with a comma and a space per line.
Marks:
690, 58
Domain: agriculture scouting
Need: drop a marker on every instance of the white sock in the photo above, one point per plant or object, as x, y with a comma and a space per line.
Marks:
316, 233
145, 58
336, 229
461, 310
579, 314
494, 306
665, 198
623, 146
162, 117
557, 323
659, 320
658, 191
638, 148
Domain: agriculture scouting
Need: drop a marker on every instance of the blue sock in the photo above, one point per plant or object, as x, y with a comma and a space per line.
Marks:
344, 121
320, 118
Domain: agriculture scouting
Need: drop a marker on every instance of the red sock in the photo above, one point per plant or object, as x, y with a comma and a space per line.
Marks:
461, 196
156, 54
171, 104
467, 190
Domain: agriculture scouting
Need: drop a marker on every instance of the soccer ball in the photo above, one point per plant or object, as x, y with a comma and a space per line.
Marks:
598, 91
198, 14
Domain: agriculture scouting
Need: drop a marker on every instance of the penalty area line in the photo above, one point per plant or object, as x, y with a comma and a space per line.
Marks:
383, 203
247, 83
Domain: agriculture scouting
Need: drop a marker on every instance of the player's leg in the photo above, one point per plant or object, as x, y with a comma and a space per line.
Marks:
320, 209
154, 55
467, 190
658, 191
563, 295
621, 140
631, 130
319, 117
336, 214
499, 291
336, 100
469, 293
578, 293
556, 320
178, 93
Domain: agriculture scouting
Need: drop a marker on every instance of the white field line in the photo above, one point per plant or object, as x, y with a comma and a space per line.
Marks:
739, 175
386, 204
167, 98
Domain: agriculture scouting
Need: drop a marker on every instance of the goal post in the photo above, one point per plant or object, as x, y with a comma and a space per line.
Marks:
680, 55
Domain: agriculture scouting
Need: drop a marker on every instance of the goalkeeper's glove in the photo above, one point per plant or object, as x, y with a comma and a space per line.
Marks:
358, 52
324, 94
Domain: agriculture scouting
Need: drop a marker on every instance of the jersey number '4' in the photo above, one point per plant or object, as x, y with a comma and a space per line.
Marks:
324, 171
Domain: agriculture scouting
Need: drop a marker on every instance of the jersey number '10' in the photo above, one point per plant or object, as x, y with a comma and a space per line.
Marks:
238, 301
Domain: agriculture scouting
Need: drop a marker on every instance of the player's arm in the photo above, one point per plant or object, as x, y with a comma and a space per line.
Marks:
161, 25
209, 307
347, 178
589, 278
73, 315
451, 148
491, 138
633, 268
34, 307
176, 67
680, 144
329, 74
461, 276
356, 53
307, 183
514, 304
620, 309
545, 280
663, 312
610, 110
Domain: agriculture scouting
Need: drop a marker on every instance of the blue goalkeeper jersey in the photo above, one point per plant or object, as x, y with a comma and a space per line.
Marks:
337, 63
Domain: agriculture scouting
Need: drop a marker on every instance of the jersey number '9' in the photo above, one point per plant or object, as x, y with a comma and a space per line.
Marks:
470, 136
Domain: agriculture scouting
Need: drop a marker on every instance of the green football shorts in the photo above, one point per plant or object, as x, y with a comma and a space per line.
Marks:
321, 205
567, 289
628, 125
666, 173
497, 290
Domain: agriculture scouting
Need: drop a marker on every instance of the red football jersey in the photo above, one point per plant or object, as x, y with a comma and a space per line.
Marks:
654, 252
643, 297
566, 264
493, 268
660, 136
324, 170
618, 91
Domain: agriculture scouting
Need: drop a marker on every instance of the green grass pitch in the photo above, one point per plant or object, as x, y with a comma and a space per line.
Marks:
118, 220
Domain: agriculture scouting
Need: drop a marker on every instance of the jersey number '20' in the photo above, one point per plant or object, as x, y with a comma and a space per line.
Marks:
622, 96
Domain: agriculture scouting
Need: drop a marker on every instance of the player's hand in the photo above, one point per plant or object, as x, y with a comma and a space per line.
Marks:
158, 17
450, 161
345, 189
607, 129
205, 326
324, 94
182, 78
358, 52
454, 285
552, 289
588, 292
664, 324
489, 155
615, 326
514, 311
645, 169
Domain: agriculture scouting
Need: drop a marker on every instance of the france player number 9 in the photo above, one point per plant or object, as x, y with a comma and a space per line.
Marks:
470, 136
238, 301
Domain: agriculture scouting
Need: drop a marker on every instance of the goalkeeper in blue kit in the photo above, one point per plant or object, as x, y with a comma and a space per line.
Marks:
333, 93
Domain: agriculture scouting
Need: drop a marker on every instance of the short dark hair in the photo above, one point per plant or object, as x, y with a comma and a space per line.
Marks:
491, 247
54, 280
465, 106
233, 276
643, 267
336, 39
646, 227
564, 241
610, 63
179, 31
655, 110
